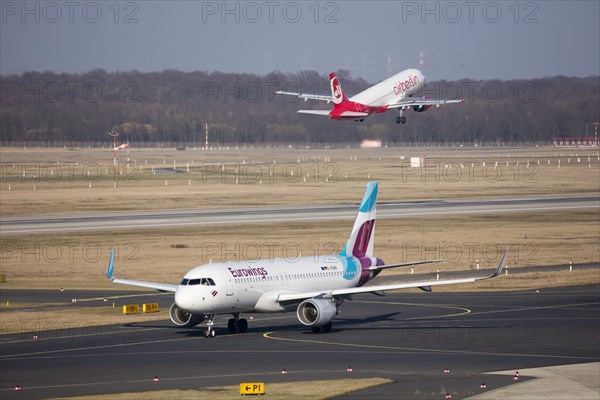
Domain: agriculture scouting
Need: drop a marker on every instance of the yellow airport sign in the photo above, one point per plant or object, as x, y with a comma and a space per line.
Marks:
151, 307
254, 388
131, 309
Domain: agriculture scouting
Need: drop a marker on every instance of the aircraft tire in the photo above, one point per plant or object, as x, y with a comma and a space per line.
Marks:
231, 326
242, 325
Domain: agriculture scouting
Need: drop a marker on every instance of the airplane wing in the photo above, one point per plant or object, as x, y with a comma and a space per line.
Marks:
291, 297
305, 97
421, 101
406, 264
163, 287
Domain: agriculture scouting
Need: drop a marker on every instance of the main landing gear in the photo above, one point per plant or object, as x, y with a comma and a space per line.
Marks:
237, 324
401, 119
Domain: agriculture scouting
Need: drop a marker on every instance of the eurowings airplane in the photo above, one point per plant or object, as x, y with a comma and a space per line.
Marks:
313, 287
393, 92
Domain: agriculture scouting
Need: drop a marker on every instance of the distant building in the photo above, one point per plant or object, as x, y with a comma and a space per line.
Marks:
574, 141
368, 143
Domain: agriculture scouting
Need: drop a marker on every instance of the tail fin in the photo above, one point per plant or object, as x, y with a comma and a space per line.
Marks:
336, 91
360, 242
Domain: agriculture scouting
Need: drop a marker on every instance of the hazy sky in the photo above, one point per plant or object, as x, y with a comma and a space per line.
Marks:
458, 39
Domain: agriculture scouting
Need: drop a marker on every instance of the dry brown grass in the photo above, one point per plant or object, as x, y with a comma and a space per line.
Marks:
211, 187
62, 260
273, 391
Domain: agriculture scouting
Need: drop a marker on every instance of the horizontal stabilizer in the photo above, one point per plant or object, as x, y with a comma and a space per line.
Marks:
305, 97
315, 112
406, 264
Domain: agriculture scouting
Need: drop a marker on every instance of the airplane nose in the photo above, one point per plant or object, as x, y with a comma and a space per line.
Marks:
184, 300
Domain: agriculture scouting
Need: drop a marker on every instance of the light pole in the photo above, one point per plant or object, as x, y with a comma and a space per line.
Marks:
596, 133
114, 135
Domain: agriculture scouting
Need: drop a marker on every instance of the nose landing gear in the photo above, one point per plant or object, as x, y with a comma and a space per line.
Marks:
210, 331
234, 325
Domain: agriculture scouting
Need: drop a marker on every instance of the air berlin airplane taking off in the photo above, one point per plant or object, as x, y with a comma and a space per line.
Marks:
394, 92
314, 287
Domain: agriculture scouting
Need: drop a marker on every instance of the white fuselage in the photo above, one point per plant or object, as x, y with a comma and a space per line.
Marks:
253, 286
392, 89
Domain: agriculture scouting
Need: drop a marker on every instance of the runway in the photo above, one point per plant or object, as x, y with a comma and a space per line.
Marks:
181, 218
408, 337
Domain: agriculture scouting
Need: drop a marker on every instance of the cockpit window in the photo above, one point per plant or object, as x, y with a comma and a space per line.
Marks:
198, 281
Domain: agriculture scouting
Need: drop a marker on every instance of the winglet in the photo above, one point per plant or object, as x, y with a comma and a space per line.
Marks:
500, 264
111, 265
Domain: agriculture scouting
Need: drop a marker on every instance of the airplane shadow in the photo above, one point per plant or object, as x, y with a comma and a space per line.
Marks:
371, 323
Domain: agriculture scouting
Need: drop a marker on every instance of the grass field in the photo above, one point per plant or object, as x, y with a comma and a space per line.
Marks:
77, 181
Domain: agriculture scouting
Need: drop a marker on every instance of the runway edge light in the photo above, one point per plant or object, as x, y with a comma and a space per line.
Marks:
252, 388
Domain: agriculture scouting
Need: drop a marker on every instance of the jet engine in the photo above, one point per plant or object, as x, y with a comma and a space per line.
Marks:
316, 312
421, 108
183, 318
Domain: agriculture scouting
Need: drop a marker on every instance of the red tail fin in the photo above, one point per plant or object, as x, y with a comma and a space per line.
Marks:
336, 91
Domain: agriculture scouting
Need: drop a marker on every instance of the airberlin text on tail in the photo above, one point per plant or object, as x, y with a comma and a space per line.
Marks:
336, 91
360, 242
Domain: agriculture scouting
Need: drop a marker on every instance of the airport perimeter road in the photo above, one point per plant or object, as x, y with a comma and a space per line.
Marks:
410, 338
180, 218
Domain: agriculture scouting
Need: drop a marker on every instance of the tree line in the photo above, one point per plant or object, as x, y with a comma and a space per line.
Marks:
174, 106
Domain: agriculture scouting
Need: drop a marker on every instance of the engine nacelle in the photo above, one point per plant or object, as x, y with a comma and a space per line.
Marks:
316, 312
421, 108
183, 318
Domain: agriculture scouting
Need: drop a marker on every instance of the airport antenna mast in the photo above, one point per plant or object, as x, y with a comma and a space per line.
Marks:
205, 136
595, 132
114, 134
